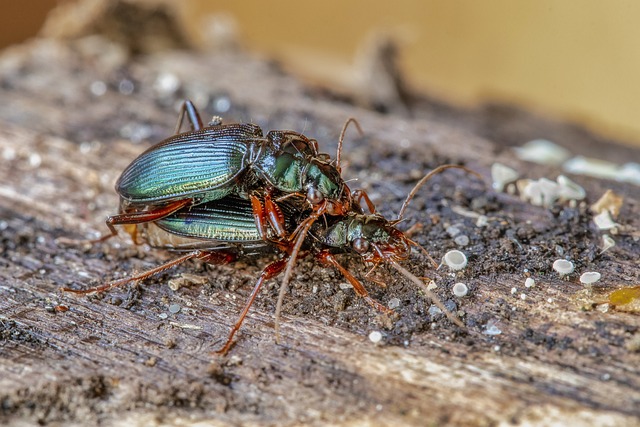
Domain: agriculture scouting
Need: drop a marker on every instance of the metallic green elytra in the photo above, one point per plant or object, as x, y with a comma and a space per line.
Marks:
229, 219
227, 224
215, 161
202, 164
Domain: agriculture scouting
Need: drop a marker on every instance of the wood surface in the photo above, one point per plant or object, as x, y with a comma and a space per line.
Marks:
124, 358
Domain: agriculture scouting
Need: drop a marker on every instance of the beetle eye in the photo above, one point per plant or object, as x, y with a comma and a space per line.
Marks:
360, 245
314, 196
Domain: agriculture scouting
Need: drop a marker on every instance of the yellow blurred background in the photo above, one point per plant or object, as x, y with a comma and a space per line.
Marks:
572, 59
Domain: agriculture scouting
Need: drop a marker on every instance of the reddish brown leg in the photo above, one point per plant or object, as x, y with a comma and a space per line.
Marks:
191, 112
327, 258
360, 195
210, 257
145, 216
274, 216
259, 216
131, 218
269, 271
270, 214
377, 281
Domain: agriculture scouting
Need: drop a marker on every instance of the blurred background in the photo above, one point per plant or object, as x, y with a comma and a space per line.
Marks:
576, 60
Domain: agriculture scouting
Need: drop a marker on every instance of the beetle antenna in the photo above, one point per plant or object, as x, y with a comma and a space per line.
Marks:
426, 178
344, 130
438, 303
423, 250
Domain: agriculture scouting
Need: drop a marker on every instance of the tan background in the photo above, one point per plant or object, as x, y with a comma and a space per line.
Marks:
575, 59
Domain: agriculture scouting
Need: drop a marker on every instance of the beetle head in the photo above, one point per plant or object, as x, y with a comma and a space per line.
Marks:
371, 236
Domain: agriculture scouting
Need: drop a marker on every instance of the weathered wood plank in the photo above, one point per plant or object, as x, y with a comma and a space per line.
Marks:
124, 357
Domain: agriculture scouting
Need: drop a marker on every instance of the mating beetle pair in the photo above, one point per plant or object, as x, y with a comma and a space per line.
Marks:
209, 163
221, 192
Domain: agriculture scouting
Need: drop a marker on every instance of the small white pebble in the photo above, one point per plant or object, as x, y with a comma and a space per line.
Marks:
496, 348
126, 87
630, 172
523, 296
522, 185
529, 283
543, 152
581, 165
452, 230
455, 260
460, 290
375, 337
9, 154
549, 300
589, 277
394, 303
345, 285
35, 160
482, 221
502, 175
549, 191
98, 88
514, 291
462, 240
603, 221
529, 191
432, 285
563, 267
607, 242
174, 308
433, 310
569, 190
491, 328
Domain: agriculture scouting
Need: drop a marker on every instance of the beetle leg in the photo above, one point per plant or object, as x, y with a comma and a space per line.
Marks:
259, 216
289, 195
377, 281
189, 110
210, 257
269, 213
141, 217
129, 219
274, 216
327, 258
360, 195
269, 271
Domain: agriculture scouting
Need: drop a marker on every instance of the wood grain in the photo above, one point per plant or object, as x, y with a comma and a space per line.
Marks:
124, 358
